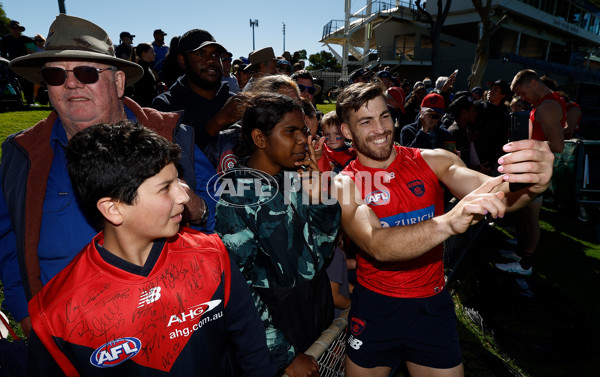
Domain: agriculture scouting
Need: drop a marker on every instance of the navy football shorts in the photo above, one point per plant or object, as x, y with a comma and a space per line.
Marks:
384, 331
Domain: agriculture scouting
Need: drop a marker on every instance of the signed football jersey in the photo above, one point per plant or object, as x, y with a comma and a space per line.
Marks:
96, 318
405, 193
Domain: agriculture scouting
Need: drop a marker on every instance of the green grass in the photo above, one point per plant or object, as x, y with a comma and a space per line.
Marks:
11, 122
326, 107
553, 333
15, 121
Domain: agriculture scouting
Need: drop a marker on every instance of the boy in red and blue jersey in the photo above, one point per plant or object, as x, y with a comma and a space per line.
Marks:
145, 297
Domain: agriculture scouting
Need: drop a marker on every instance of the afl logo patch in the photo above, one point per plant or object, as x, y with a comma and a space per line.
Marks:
227, 161
357, 325
417, 187
115, 352
378, 198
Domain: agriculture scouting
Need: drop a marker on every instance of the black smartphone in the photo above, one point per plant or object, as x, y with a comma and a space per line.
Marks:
519, 130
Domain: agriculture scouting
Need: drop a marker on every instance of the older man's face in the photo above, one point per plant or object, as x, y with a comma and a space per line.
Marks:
81, 105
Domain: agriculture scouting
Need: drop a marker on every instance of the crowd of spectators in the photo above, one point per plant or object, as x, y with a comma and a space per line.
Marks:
223, 125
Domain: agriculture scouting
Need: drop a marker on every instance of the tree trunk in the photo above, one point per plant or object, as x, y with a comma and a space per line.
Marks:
482, 55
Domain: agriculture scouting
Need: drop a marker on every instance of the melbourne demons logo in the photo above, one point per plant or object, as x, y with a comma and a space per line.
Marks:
417, 187
115, 352
378, 198
357, 325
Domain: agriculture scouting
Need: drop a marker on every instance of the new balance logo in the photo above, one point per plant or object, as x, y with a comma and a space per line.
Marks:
149, 296
354, 343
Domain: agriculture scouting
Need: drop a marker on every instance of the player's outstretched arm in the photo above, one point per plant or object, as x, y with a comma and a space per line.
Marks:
411, 241
526, 161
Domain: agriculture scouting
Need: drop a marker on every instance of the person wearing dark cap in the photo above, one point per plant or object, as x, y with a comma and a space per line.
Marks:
492, 124
386, 78
42, 224
228, 76
124, 49
359, 75
206, 101
14, 45
160, 49
284, 67
477, 93
425, 132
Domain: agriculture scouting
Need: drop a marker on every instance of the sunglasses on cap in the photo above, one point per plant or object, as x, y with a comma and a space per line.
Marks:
311, 89
55, 76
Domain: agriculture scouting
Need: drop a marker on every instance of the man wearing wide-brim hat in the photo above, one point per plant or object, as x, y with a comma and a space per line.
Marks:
263, 61
42, 226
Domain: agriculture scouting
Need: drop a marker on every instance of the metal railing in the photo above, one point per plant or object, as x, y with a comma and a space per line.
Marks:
377, 8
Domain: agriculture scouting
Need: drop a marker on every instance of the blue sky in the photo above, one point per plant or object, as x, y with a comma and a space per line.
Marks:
226, 20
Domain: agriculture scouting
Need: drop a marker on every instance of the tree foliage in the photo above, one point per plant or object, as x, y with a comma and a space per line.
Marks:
302, 54
324, 60
4, 22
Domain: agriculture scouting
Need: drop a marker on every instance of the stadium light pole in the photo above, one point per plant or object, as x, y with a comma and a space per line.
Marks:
283, 36
252, 25
61, 7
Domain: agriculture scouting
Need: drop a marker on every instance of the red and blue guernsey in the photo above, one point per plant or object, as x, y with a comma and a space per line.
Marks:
405, 193
179, 314
537, 133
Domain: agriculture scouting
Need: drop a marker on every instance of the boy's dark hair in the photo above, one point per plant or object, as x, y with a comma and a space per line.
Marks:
113, 160
354, 96
264, 113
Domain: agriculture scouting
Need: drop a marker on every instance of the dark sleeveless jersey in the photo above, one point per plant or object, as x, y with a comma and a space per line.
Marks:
405, 193
537, 133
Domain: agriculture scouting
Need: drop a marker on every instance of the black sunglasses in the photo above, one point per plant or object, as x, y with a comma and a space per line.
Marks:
303, 88
55, 76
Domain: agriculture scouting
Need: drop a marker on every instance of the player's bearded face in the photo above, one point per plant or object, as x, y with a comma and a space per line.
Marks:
372, 130
376, 147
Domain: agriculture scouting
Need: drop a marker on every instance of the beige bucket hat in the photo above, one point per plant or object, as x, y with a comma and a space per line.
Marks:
73, 38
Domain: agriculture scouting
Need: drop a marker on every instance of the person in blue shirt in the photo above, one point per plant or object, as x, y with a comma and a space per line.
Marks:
41, 224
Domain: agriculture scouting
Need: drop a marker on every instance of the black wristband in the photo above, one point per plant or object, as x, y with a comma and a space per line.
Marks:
203, 218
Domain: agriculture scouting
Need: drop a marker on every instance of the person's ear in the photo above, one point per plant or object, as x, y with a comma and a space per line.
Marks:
181, 61
110, 210
345, 128
120, 79
259, 139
